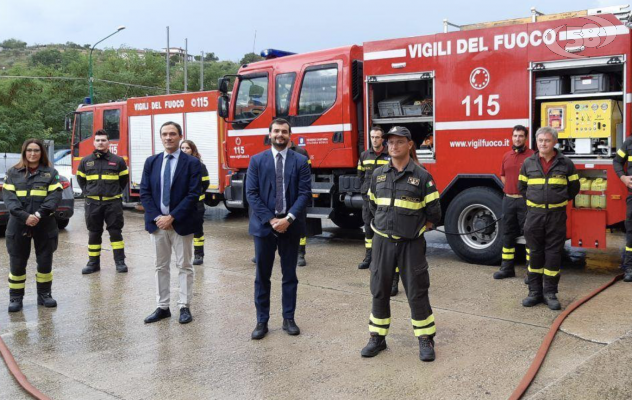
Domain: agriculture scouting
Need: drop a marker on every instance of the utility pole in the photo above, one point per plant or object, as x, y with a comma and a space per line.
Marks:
186, 60
201, 71
254, 42
168, 60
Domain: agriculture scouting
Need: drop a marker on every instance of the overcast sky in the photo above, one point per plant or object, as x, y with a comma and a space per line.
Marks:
227, 28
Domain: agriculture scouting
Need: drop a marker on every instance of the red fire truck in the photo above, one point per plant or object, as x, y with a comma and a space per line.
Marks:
460, 93
134, 130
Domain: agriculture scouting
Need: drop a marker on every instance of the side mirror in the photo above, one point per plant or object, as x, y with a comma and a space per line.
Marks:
222, 106
222, 84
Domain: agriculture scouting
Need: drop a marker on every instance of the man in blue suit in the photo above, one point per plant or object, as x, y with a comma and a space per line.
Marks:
169, 192
278, 189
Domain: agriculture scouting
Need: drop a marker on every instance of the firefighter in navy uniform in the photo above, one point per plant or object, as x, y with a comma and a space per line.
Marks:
31, 194
624, 155
547, 180
404, 202
189, 147
514, 205
370, 159
303, 242
102, 177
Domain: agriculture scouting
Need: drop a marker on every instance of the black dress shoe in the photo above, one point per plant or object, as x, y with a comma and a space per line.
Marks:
185, 315
158, 315
121, 266
260, 331
290, 327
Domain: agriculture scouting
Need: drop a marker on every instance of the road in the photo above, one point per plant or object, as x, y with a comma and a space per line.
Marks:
96, 346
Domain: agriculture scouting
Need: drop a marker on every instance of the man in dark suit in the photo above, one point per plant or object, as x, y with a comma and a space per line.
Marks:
278, 189
169, 192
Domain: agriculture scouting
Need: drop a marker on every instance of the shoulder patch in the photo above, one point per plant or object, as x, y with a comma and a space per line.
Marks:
413, 181
380, 178
430, 184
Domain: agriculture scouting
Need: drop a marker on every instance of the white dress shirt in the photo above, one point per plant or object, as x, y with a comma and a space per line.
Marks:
284, 157
174, 163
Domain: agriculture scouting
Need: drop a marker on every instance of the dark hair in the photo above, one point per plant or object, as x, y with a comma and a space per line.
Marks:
413, 153
23, 163
194, 149
177, 125
521, 128
102, 132
279, 121
376, 128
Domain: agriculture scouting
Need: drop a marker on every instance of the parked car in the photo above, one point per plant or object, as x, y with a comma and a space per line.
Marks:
64, 211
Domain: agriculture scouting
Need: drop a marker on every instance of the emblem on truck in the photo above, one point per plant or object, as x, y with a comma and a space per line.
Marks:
479, 78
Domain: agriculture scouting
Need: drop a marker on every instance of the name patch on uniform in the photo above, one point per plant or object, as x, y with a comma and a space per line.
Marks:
380, 178
111, 163
90, 164
411, 199
413, 181
46, 174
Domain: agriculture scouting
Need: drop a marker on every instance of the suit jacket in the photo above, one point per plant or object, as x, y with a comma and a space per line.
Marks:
261, 191
185, 193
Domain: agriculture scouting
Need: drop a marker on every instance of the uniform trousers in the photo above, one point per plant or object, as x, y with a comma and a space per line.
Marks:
545, 232
111, 213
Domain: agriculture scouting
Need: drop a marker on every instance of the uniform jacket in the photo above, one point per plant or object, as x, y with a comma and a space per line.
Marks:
261, 190
624, 155
553, 190
368, 162
403, 202
185, 193
25, 193
102, 175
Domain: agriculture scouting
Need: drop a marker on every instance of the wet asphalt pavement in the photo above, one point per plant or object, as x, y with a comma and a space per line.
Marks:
96, 346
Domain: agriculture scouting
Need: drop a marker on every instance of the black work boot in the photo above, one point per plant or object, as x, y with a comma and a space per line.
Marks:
534, 298
120, 266
628, 275
395, 285
15, 304
301, 256
198, 259
505, 272
92, 267
367, 260
550, 299
426, 348
376, 344
46, 299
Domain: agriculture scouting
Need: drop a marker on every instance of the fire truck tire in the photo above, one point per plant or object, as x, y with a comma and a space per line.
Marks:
236, 211
472, 210
211, 202
348, 219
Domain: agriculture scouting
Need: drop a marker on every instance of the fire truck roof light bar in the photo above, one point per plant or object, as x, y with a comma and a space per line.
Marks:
269, 54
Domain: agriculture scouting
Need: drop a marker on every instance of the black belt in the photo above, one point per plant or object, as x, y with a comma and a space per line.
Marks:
279, 216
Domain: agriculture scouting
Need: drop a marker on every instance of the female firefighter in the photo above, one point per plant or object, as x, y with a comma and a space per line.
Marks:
190, 148
31, 193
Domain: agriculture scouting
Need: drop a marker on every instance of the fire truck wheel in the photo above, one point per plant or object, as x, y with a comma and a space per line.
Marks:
348, 219
475, 210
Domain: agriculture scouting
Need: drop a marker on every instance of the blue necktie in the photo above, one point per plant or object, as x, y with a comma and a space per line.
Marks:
278, 205
166, 185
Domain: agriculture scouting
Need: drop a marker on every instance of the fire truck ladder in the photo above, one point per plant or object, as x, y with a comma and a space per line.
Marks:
622, 12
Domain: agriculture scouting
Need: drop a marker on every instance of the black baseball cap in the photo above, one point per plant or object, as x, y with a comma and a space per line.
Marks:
398, 131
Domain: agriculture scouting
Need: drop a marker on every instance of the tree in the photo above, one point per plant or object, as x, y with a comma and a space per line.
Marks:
250, 58
48, 57
13, 44
210, 57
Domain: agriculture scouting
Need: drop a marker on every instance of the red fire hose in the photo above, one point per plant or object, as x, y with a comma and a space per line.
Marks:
17, 374
548, 339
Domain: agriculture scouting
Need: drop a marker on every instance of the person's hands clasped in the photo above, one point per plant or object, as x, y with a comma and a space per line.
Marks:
165, 222
280, 224
32, 220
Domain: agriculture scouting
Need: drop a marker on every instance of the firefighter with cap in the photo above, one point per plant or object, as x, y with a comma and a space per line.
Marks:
404, 202
370, 159
623, 156
547, 180
102, 177
31, 194
514, 205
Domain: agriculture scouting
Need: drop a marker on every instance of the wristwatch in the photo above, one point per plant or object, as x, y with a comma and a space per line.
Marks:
289, 219
38, 215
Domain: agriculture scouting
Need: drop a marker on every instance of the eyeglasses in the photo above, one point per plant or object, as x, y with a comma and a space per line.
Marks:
33, 150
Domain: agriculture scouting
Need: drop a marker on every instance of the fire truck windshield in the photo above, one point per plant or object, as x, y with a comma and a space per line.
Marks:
252, 97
